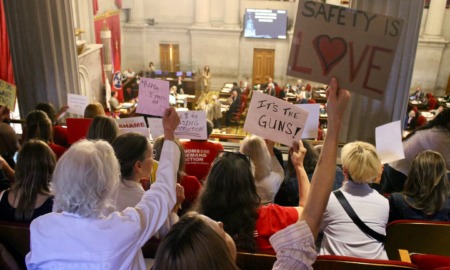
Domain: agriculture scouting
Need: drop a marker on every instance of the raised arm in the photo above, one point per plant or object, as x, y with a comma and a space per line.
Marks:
298, 153
157, 202
323, 177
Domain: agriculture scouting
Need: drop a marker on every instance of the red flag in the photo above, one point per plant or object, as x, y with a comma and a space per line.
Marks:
117, 75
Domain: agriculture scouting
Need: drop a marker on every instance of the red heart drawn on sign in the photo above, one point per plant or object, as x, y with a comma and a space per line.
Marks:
330, 51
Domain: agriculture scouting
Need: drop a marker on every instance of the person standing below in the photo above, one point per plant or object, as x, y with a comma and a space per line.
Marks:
237, 88
235, 104
206, 78
200, 154
179, 86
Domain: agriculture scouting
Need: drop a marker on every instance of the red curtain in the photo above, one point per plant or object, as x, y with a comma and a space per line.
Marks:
6, 68
113, 23
95, 6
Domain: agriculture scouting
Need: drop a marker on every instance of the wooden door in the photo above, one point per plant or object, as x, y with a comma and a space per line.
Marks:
263, 65
169, 56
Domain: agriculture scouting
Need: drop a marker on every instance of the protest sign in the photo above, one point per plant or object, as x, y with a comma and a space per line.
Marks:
357, 47
275, 119
7, 95
388, 139
77, 103
192, 125
153, 97
132, 122
156, 127
312, 123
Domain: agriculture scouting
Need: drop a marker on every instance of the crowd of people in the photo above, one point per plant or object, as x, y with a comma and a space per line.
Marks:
105, 196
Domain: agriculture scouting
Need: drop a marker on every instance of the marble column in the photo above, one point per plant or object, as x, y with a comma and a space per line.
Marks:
202, 12
105, 35
42, 42
435, 19
137, 13
231, 18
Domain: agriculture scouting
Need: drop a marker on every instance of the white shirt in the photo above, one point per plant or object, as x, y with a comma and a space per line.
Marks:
436, 139
342, 236
68, 241
129, 194
267, 188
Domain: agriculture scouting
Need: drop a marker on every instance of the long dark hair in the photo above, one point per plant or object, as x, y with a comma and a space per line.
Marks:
129, 148
440, 121
193, 244
427, 184
39, 126
34, 169
230, 197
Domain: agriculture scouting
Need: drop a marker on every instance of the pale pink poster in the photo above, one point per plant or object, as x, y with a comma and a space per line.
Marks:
153, 97
356, 46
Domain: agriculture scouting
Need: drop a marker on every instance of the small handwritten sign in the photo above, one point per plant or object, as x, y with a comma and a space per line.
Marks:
192, 125
275, 119
153, 97
389, 144
77, 103
7, 94
132, 122
356, 46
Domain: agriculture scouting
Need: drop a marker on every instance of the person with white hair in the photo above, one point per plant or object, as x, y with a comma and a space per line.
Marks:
80, 233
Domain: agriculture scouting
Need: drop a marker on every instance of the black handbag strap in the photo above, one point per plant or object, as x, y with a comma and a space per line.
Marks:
351, 213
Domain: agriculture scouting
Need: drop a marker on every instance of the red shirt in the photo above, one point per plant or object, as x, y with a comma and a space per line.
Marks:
60, 136
271, 219
199, 157
57, 149
191, 190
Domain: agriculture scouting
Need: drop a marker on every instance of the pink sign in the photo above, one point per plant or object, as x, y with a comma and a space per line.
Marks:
356, 46
153, 97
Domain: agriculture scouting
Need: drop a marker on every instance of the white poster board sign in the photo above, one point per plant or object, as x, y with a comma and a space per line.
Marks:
77, 103
132, 122
275, 119
312, 123
356, 46
388, 139
192, 125
153, 97
156, 127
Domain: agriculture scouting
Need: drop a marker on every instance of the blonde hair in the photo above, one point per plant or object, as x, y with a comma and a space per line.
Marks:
85, 178
361, 161
94, 109
255, 147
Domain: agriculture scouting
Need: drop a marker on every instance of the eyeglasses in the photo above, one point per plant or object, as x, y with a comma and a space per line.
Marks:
235, 154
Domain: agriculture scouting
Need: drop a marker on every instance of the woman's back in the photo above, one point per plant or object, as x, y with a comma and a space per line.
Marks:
8, 211
400, 209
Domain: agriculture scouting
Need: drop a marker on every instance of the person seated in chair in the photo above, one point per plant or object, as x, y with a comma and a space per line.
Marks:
114, 102
235, 105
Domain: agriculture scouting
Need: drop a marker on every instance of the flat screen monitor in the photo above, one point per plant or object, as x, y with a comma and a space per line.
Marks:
189, 74
158, 73
179, 73
265, 23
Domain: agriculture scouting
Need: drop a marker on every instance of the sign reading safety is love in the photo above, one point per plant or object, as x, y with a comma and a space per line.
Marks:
357, 47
